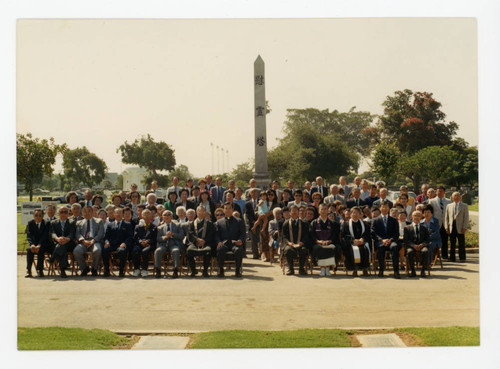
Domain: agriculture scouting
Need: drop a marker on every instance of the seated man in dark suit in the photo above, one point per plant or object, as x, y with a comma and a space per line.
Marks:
296, 238
62, 233
230, 237
385, 235
119, 237
201, 238
416, 238
37, 235
144, 243
355, 201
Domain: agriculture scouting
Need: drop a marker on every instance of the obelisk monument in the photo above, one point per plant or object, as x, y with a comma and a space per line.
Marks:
261, 175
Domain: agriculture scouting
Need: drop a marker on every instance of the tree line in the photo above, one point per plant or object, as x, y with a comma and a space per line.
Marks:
411, 141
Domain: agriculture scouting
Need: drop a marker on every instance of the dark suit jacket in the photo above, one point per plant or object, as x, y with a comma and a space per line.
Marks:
314, 189
411, 239
378, 202
305, 238
69, 230
250, 212
118, 235
189, 205
352, 203
217, 197
379, 233
37, 236
141, 233
228, 230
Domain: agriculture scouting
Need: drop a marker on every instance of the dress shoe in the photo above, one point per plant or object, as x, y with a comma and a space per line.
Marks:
122, 274
221, 273
355, 273
205, 274
63, 274
107, 273
380, 273
302, 271
94, 273
462, 261
255, 257
28, 275
176, 273
237, 273
452, 260
85, 272
39, 273
193, 273
423, 274
413, 274
365, 272
397, 276
290, 272
157, 273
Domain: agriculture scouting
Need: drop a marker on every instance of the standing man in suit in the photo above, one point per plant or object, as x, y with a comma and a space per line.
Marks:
355, 201
209, 183
275, 186
456, 220
144, 243
383, 197
439, 204
89, 234
416, 238
37, 235
323, 190
119, 237
87, 199
155, 190
334, 195
230, 237
62, 233
169, 236
201, 238
385, 235
253, 184
296, 238
217, 192
347, 189
175, 188
251, 216
290, 185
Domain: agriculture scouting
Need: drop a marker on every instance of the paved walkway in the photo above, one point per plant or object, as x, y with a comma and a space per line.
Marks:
161, 343
263, 299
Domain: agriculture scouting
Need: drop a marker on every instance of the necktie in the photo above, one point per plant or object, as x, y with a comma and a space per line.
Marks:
357, 202
417, 232
385, 223
87, 233
39, 225
62, 226
168, 227
441, 204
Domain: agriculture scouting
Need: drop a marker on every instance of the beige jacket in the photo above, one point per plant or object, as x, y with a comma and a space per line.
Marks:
461, 217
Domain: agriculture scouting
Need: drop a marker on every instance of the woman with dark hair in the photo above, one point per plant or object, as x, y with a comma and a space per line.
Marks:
97, 200
170, 203
207, 204
432, 225
116, 200
135, 200
71, 198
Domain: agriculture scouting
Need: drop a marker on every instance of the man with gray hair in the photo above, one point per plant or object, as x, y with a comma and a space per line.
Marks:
334, 195
456, 221
151, 199
169, 237
89, 234
416, 238
76, 212
201, 241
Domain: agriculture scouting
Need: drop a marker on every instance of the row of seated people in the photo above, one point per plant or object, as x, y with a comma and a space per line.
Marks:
135, 239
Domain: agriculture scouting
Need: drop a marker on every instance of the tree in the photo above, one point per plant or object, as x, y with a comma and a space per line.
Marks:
35, 158
82, 166
412, 121
119, 181
243, 173
154, 156
182, 172
319, 142
385, 160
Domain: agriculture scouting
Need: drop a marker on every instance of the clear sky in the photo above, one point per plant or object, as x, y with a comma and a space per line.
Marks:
190, 82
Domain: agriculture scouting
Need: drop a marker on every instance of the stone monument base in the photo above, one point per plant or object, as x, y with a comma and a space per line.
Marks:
263, 180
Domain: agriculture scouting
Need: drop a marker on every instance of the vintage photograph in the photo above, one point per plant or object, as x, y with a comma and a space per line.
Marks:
247, 183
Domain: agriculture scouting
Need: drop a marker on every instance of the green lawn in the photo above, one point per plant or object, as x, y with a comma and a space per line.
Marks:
56, 338
272, 339
447, 336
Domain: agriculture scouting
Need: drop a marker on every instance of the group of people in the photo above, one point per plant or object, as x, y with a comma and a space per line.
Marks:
340, 223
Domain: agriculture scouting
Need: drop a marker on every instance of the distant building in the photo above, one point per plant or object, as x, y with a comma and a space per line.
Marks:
112, 177
134, 175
